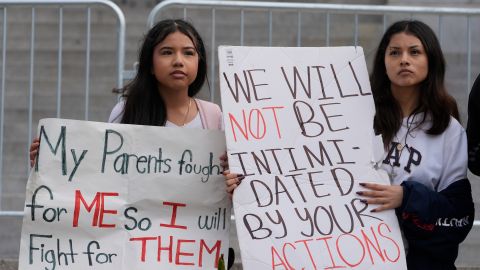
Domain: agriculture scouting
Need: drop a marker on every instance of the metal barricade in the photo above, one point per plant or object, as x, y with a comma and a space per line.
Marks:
65, 56
329, 10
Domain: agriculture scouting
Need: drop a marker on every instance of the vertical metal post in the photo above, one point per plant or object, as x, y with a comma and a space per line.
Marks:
212, 58
30, 92
327, 29
440, 28
242, 26
384, 23
270, 27
87, 65
121, 46
2, 99
59, 61
355, 34
299, 29
469, 54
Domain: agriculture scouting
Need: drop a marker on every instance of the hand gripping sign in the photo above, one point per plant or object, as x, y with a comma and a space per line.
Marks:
110, 196
299, 127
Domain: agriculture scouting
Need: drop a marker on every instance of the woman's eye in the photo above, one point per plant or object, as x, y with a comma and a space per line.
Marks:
394, 53
415, 52
165, 52
190, 53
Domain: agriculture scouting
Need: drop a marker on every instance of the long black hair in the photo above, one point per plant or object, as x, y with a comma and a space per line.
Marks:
144, 105
434, 100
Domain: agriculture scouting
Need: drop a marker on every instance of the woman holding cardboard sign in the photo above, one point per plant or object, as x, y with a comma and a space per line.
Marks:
172, 69
426, 147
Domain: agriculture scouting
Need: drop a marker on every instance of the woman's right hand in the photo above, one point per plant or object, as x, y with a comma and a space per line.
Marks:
386, 196
34, 150
232, 180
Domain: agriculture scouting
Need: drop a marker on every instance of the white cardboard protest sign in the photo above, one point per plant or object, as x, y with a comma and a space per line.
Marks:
299, 127
110, 196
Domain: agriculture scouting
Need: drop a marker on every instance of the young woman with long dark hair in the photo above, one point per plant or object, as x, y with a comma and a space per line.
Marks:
425, 147
171, 71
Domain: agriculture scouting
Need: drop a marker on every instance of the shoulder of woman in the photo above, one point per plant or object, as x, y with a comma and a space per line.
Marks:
455, 129
208, 106
211, 114
455, 125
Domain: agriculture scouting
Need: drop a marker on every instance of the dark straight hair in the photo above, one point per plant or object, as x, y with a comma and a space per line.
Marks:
144, 105
434, 101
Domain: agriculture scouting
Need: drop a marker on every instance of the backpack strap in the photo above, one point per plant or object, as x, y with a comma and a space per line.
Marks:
210, 114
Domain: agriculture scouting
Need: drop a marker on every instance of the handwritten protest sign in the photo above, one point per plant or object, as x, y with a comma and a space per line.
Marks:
299, 127
109, 196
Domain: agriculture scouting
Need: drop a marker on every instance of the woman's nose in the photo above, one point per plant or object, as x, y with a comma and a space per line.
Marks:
178, 60
405, 60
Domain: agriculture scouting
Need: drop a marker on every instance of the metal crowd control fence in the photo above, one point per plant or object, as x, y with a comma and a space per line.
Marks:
219, 25
63, 38
329, 10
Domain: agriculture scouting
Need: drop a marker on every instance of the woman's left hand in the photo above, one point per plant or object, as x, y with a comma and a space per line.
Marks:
232, 180
388, 197
224, 161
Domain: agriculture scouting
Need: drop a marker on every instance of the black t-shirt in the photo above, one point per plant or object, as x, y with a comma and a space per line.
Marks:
473, 128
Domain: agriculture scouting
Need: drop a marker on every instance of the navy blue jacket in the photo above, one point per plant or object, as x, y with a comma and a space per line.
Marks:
473, 128
435, 223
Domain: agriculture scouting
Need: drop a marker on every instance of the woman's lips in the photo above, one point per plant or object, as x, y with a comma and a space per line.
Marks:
405, 71
178, 74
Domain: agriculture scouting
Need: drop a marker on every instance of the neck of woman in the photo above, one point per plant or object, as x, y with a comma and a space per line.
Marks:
407, 97
173, 102
179, 106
